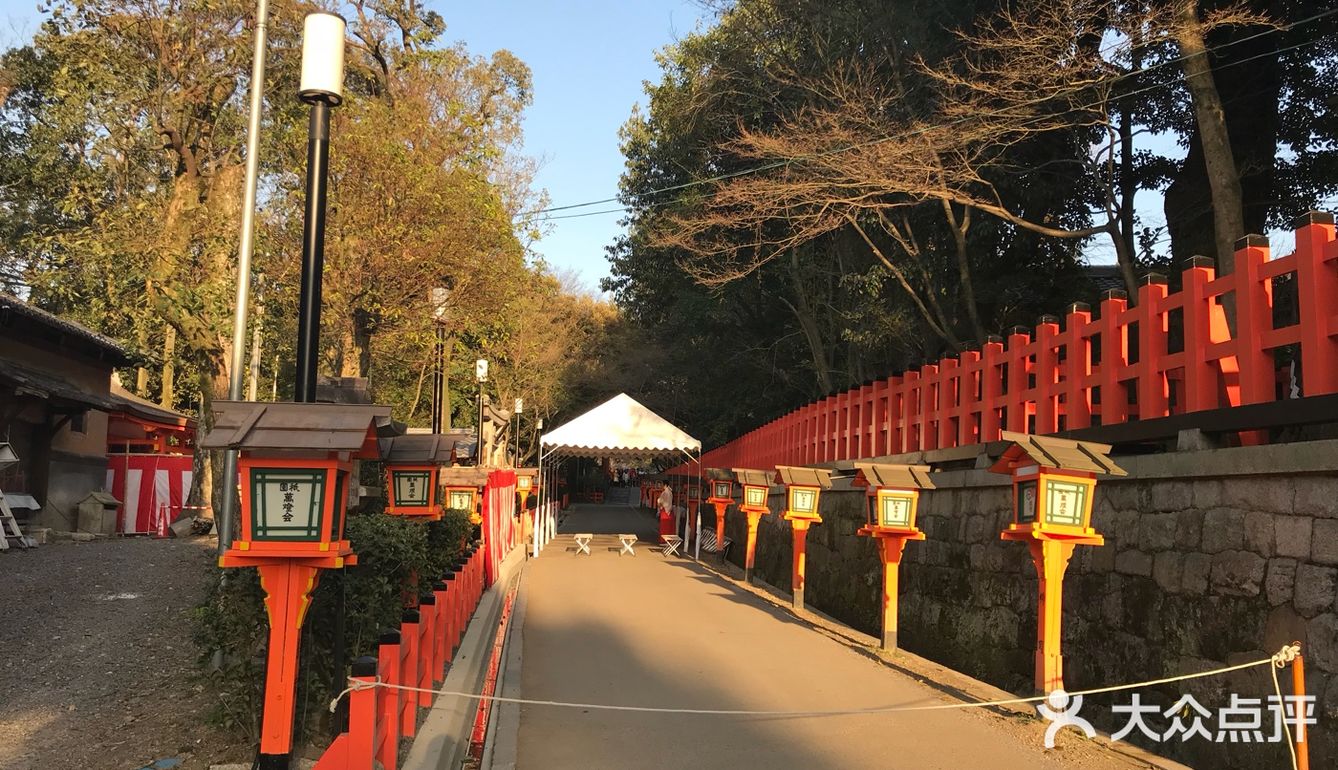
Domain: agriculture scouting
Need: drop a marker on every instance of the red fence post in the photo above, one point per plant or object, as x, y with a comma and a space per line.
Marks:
1077, 367
362, 716
991, 387
1153, 332
1201, 382
388, 711
949, 385
409, 672
1317, 298
439, 633
1019, 342
1114, 356
968, 398
1254, 318
1047, 375
427, 620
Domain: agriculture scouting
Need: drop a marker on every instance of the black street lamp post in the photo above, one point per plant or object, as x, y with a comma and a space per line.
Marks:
322, 86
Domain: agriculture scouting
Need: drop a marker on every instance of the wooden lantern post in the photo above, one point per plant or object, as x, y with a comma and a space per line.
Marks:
803, 489
893, 497
756, 486
1054, 483
722, 495
297, 465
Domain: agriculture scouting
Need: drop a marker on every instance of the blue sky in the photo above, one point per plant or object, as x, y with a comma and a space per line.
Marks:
589, 59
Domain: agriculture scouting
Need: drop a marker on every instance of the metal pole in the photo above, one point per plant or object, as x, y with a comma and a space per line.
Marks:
438, 381
313, 251
245, 247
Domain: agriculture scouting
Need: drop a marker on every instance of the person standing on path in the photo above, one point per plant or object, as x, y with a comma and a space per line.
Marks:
665, 502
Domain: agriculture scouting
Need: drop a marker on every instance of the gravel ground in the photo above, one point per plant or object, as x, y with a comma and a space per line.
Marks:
97, 667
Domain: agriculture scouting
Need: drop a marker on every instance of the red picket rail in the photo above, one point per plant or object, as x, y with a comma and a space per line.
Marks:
1114, 367
417, 655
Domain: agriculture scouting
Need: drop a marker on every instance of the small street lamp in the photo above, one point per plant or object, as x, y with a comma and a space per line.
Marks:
322, 86
481, 377
1054, 483
756, 486
439, 298
803, 490
893, 497
520, 407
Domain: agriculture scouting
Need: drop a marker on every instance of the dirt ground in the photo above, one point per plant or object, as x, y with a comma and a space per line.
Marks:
97, 667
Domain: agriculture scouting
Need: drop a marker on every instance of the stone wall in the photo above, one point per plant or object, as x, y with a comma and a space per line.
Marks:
1212, 558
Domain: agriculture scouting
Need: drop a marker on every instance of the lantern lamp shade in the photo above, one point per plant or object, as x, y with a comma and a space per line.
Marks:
460, 499
803, 500
897, 508
1054, 500
524, 483
693, 492
294, 504
322, 77
1054, 482
756, 486
722, 490
412, 487
754, 496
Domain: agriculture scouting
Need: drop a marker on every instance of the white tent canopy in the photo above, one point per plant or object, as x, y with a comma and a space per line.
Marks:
619, 428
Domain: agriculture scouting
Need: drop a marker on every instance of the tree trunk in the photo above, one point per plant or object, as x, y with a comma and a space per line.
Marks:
967, 286
1218, 159
253, 367
808, 324
168, 396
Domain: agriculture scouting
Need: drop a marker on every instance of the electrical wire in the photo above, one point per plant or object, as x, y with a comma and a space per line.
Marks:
860, 145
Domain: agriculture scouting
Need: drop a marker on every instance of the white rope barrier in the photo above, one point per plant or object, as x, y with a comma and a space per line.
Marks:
1278, 660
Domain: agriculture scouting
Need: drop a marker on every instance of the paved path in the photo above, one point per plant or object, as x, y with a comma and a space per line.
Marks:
647, 631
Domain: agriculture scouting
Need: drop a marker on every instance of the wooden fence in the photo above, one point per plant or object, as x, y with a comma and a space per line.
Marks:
416, 655
1170, 353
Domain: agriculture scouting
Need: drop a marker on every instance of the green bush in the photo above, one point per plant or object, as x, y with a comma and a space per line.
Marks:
391, 552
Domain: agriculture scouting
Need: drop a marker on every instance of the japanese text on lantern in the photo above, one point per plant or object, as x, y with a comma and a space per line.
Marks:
287, 504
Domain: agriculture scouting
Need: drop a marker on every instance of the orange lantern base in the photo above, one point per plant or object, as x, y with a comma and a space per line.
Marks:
1050, 554
720, 507
799, 530
891, 546
750, 551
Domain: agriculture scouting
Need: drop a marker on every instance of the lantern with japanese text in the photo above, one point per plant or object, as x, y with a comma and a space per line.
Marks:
297, 469
412, 465
461, 488
756, 487
803, 490
1054, 481
893, 501
721, 487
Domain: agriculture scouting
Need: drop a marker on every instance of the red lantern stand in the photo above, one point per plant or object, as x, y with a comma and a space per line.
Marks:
1054, 483
722, 495
756, 486
803, 489
296, 467
893, 498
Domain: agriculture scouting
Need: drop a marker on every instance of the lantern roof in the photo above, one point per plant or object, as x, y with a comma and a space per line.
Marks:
463, 477
808, 477
752, 477
1051, 452
428, 447
530, 472
718, 474
314, 427
891, 475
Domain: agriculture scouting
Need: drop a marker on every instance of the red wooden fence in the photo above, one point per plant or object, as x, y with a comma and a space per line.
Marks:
417, 655
1113, 367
